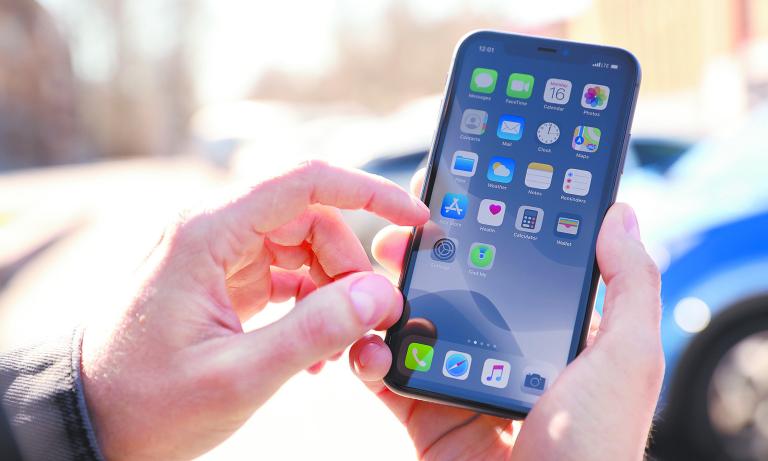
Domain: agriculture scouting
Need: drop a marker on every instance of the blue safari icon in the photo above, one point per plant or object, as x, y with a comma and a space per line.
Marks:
457, 365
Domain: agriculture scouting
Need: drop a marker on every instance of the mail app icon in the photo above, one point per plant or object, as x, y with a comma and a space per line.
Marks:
511, 127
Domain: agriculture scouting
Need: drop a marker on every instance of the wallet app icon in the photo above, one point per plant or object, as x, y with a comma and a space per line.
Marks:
511, 127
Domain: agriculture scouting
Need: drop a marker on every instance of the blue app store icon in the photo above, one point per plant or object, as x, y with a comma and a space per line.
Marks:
454, 206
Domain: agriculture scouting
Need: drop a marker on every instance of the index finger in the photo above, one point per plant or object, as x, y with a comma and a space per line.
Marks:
279, 200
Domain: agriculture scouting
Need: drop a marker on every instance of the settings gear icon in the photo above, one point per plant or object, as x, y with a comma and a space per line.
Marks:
444, 250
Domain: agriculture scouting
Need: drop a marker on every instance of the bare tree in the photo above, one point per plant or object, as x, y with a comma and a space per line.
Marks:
38, 119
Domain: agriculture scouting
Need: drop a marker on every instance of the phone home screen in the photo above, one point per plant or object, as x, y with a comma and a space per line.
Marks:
525, 163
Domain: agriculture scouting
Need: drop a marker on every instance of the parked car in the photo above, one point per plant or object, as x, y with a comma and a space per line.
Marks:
710, 228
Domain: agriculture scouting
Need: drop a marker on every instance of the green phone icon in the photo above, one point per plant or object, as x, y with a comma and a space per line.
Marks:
481, 255
520, 86
483, 80
419, 357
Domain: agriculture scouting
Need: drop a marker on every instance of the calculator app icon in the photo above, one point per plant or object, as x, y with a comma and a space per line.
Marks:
529, 219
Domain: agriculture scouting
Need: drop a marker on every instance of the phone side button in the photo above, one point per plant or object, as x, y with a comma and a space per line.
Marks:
625, 152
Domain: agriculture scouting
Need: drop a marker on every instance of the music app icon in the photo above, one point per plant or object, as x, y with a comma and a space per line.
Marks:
495, 373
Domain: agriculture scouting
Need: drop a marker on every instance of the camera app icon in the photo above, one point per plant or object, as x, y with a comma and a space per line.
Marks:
533, 382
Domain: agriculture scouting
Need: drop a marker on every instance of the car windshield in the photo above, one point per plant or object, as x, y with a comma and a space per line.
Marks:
727, 174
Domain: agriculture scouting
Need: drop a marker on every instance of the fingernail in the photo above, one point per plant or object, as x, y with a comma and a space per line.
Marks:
367, 353
630, 224
370, 295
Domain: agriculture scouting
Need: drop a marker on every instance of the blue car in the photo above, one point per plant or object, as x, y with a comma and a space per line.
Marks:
703, 211
708, 222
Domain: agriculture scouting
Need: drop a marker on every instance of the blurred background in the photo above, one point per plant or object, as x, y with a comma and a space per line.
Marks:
114, 114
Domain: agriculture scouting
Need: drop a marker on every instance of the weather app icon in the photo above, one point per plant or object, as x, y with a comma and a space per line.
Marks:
501, 170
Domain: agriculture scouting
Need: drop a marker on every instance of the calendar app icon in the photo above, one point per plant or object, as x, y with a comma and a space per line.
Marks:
557, 91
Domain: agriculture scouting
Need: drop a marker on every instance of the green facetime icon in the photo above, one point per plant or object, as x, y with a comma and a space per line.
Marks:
483, 80
520, 86
419, 357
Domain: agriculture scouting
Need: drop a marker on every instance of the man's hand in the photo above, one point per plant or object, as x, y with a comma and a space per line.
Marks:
599, 408
175, 374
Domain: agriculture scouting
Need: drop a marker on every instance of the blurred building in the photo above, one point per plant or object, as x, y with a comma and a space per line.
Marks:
121, 78
678, 40
38, 98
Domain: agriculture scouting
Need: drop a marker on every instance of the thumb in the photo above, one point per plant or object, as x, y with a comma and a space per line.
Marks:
632, 300
611, 388
323, 323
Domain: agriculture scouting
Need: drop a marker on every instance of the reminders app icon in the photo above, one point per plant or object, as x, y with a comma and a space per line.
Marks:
577, 182
464, 163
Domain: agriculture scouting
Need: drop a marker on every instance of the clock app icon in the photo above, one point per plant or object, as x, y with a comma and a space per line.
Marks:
548, 133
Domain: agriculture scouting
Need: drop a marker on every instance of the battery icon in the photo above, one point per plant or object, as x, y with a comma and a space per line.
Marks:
614, 66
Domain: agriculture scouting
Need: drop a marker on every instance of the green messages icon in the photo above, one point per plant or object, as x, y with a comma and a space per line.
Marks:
520, 86
483, 80
419, 357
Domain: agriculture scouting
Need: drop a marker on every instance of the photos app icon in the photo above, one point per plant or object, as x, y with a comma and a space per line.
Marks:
595, 96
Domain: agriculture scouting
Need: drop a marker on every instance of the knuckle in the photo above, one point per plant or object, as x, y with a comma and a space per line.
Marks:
312, 167
186, 235
650, 272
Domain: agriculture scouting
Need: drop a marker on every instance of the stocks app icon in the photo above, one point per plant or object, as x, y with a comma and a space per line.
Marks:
444, 250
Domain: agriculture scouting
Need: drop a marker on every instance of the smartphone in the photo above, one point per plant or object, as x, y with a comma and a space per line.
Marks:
500, 283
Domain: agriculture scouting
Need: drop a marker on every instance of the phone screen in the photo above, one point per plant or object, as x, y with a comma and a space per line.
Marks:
526, 160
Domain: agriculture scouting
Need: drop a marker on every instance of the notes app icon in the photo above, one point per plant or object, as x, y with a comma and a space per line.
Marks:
539, 176
495, 373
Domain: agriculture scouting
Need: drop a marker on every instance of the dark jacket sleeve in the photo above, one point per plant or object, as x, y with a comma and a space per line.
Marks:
43, 403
